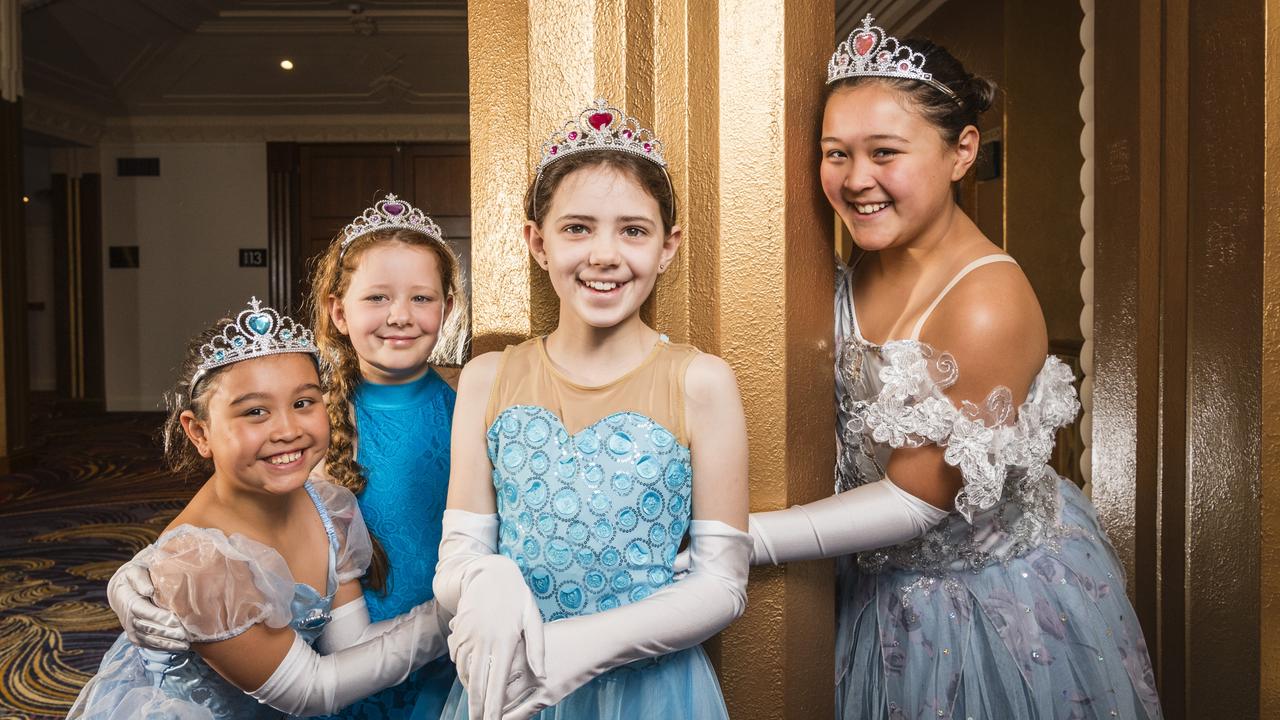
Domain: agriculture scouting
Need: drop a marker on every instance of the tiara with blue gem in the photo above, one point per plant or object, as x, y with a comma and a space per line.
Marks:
870, 52
602, 126
256, 332
389, 213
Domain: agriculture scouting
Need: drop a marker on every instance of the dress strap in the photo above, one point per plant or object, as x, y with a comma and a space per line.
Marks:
985, 260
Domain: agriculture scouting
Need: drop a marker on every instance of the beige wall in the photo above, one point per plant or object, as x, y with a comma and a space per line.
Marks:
210, 200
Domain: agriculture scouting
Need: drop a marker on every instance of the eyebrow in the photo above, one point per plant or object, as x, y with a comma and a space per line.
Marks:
262, 396
881, 136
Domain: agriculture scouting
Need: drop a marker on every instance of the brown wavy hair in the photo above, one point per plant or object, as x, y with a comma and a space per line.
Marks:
331, 278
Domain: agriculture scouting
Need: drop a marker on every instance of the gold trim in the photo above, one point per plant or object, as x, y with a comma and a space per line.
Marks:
1269, 705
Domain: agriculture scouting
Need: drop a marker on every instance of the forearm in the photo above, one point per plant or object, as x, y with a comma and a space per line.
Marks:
467, 538
870, 516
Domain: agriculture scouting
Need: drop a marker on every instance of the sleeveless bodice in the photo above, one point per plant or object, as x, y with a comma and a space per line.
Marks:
892, 396
593, 513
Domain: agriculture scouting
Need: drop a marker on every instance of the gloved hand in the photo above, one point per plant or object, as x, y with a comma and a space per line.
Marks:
495, 613
306, 683
875, 515
146, 625
679, 616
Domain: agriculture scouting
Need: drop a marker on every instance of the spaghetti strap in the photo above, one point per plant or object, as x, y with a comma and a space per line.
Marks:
984, 260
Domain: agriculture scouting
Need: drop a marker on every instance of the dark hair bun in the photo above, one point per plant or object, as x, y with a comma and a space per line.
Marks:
982, 92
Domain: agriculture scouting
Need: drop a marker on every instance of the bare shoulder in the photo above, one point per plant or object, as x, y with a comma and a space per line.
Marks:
709, 379
992, 324
478, 374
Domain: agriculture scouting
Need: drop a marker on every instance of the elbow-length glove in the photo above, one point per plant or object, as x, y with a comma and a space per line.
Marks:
875, 515
679, 616
307, 683
495, 612
145, 624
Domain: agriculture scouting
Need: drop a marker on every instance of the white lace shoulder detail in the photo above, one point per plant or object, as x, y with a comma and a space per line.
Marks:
219, 585
983, 440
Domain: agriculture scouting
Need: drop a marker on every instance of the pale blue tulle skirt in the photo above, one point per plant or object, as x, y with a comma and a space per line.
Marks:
1050, 634
681, 685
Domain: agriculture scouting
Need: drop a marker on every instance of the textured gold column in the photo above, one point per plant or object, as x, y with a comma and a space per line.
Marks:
1270, 524
734, 89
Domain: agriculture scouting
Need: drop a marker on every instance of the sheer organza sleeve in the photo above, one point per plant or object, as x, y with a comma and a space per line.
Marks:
985, 441
219, 586
354, 547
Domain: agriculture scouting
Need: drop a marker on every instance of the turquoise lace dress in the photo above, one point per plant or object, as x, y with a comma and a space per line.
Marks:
403, 448
594, 517
221, 586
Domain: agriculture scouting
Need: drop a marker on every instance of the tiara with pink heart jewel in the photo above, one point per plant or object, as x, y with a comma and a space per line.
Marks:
602, 126
871, 52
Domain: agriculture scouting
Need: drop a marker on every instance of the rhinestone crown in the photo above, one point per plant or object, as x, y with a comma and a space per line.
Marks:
870, 52
389, 212
602, 127
256, 332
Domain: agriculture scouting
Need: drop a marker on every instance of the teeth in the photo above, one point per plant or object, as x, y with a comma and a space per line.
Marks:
284, 458
868, 209
601, 286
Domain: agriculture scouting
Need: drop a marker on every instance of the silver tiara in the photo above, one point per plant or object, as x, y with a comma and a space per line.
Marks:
388, 213
256, 332
602, 127
870, 52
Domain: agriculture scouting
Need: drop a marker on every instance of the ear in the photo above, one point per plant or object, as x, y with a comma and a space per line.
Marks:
337, 314
447, 310
197, 432
966, 150
537, 244
670, 246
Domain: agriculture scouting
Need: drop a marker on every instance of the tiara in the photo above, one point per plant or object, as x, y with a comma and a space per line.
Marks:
256, 332
870, 52
602, 127
389, 212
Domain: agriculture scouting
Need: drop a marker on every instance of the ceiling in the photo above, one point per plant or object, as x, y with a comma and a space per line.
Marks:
112, 58
156, 65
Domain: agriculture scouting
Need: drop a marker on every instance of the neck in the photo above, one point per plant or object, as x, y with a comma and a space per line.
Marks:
606, 351
937, 240
382, 376
254, 507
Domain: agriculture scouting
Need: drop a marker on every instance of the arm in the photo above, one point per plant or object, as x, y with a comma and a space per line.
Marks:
995, 333
278, 668
494, 609
701, 604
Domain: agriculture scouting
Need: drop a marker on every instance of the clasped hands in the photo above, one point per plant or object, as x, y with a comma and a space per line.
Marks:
499, 644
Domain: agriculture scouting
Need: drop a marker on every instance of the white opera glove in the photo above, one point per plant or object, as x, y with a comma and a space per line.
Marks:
496, 617
145, 624
350, 625
306, 683
679, 616
875, 515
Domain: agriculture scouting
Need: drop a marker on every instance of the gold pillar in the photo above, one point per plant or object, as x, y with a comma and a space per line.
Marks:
1270, 590
733, 88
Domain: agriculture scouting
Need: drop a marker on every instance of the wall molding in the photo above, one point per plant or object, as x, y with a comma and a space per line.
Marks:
426, 127
1086, 244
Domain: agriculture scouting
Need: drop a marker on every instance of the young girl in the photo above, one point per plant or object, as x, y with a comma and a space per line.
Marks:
595, 446
983, 586
386, 301
263, 561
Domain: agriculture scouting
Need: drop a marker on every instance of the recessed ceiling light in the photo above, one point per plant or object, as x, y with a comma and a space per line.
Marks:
286, 64
26, 199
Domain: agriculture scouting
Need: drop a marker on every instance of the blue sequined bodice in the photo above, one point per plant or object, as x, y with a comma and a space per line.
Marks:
592, 519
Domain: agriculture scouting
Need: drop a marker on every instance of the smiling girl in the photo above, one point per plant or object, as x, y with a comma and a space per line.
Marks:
262, 562
584, 458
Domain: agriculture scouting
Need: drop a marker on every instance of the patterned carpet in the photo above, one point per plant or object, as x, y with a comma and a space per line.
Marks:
92, 496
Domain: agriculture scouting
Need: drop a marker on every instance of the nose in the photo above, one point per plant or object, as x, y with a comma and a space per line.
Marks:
398, 312
286, 427
861, 176
604, 250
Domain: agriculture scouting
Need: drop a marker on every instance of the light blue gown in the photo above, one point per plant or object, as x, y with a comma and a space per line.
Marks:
403, 448
593, 520
221, 586
1014, 606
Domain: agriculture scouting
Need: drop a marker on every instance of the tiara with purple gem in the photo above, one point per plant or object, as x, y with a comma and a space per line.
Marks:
256, 332
870, 52
389, 212
602, 127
